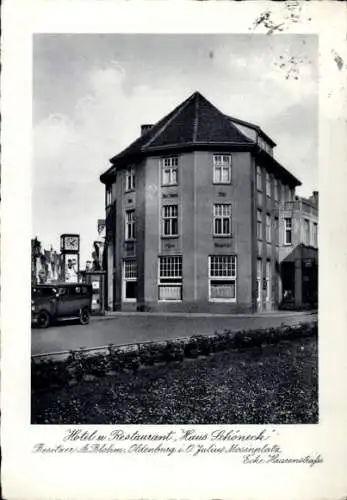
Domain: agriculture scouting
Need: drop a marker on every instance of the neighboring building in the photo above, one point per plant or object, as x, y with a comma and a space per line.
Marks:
298, 253
192, 217
46, 265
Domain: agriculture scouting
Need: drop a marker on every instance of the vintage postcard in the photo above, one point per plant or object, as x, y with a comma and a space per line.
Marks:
172, 250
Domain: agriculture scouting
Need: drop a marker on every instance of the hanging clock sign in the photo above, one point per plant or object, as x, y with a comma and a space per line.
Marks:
70, 242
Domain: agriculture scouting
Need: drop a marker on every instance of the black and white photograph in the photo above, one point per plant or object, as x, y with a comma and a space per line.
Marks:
173, 250
175, 229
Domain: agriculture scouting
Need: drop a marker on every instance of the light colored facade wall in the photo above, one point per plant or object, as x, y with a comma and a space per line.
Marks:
195, 195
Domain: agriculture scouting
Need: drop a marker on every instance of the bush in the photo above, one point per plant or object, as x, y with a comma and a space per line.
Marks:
79, 364
173, 351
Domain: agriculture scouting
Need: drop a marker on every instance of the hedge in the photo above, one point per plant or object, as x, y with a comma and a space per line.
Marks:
82, 365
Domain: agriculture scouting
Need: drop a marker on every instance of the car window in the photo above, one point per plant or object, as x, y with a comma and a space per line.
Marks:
43, 292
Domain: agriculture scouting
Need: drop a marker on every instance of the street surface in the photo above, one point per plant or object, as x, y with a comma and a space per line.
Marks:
122, 328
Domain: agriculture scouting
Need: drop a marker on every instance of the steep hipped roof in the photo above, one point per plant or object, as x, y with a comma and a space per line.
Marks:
253, 126
195, 123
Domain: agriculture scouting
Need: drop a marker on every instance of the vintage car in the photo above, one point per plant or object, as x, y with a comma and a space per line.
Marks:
59, 302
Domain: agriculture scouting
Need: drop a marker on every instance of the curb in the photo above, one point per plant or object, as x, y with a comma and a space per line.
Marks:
273, 314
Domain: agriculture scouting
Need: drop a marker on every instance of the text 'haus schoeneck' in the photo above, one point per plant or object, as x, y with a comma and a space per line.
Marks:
192, 215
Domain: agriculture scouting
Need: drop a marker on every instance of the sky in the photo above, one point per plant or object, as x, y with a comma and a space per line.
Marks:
91, 93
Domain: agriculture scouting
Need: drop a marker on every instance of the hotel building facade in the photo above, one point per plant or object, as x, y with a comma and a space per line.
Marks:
192, 215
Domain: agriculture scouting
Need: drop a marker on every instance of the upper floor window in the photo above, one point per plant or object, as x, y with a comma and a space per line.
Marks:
259, 224
280, 192
315, 234
108, 196
287, 231
222, 219
288, 194
222, 169
264, 145
259, 179
130, 233
268, 279
276, 230
169, 170
222, 277
306, 231
276, 196
268, 228
268, 185
130, 179
170, 220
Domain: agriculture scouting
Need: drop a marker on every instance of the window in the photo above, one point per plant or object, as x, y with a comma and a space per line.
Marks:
169, 171
222, 169
259, 224
315, 234
129, 280
44, 292
130, 225
268, 228
222, 278
268, 185
287, 231
306, 232
276, 190
170, 220
108, 196
130, 179
259, 275
276, 231
268, 280
259, 179
222, 219
289, 194
170, 278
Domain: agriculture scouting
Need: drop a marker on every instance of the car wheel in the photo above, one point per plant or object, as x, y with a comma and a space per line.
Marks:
84, 316
43, 319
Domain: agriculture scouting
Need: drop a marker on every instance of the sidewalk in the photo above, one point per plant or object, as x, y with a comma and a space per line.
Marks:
273, 314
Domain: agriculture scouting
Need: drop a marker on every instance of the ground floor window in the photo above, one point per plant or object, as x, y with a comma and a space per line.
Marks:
170, 278
129, 280
222, 278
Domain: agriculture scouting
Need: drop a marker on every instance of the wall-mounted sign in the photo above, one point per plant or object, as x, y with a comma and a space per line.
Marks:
170, 195
129, 248
222, 245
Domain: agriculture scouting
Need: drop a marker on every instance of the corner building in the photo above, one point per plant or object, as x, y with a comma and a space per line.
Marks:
192, 215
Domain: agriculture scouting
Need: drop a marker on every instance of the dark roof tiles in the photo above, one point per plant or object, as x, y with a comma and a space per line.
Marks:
195, 120
194, 123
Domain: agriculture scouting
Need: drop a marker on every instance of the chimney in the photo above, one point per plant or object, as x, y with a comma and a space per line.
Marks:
314, 197
145, 128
